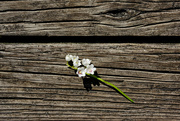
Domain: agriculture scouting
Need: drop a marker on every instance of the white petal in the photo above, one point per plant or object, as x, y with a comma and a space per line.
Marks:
77, 63
81, 72
86, 62
68, 57
90, 69
74, 58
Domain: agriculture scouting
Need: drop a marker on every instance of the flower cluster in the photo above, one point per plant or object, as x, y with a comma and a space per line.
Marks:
82, 67
85, 67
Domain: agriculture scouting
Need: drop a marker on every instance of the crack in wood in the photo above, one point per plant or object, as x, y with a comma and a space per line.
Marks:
46, 9
159, 1
30, 72
146, 70
163, 22
21, 98
34, 22
114, 1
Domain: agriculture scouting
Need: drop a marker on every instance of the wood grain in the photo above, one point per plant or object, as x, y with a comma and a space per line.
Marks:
90, 17
35, 83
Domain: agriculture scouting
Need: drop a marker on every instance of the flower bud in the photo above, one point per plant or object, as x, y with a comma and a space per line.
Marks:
68, 57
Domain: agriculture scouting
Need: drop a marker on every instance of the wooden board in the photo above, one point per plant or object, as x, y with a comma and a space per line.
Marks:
35, 83
90, 17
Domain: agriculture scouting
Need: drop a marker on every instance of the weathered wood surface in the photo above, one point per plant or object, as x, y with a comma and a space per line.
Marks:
90, 17
35, 83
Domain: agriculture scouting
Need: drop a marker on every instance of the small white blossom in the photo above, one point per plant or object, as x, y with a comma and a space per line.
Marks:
76, 63
86, 62
81, 72
75, 58
90, 69
68, 57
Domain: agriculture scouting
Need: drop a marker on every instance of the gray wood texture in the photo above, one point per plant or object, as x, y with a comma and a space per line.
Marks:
90, 17
35, 83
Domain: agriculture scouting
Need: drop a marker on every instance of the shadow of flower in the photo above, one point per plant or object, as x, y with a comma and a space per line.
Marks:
88, 81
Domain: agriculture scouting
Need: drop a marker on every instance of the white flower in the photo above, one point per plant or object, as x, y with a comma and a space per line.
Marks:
90, 69
81, 72
76, 63
86, 62
68, 57
75, 58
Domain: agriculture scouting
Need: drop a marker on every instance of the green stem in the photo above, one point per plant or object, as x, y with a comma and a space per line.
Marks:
105, 83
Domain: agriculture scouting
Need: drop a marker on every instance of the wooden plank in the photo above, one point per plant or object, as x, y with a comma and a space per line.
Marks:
35, 83
89, 17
